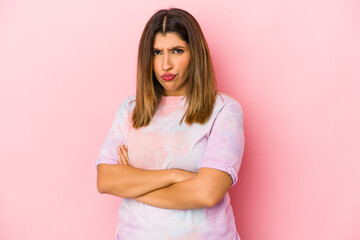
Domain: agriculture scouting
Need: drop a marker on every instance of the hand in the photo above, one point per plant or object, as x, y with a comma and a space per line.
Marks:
182, 175
123, 155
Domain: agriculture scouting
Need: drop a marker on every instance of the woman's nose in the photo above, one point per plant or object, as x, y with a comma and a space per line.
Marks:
167, 64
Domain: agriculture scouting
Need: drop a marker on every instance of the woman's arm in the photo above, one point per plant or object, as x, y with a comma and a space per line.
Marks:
205, 190
126, 181
122, 180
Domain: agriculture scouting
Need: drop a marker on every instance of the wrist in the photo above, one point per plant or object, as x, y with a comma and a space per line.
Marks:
178, 175
174, 176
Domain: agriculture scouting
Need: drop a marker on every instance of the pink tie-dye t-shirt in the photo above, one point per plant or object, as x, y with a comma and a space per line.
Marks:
164, 144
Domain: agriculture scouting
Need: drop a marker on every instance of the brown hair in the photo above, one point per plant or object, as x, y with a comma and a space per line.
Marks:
200, 90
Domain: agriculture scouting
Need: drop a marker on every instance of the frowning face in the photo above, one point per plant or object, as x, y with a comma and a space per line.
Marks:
172, 58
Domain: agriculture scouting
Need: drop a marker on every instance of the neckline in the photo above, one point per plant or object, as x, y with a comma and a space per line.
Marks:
172, 98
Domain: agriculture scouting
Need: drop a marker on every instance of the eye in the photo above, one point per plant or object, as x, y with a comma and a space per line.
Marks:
181, 51
155, 52
176, 50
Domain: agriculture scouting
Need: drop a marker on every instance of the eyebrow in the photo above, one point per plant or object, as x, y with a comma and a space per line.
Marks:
177, 46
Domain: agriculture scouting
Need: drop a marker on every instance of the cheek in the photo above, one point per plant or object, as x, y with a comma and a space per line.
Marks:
156, 66
184, 63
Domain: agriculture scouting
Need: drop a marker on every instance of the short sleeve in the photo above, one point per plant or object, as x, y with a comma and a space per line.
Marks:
116, 135
225, 146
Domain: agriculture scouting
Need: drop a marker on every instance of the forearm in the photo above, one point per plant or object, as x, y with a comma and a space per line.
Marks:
187, 194
126, 181
206, 189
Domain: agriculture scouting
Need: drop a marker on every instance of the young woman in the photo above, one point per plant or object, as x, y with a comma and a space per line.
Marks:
175, 148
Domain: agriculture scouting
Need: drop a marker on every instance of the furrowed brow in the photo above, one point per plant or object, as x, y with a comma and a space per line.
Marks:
178, 46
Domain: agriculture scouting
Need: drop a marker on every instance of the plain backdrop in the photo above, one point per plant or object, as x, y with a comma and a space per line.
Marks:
294, 66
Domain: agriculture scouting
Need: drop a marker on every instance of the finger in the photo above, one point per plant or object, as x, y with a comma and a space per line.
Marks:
126, 156
118, 157
125, 151
121, 157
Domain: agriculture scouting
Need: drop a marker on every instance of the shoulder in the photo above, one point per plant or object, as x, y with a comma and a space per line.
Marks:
132, 97
131, 100
227, 103
127, 104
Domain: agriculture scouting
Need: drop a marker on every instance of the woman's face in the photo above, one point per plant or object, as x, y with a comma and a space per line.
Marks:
171, 55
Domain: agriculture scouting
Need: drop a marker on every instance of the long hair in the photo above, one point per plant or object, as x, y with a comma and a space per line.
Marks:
200, 90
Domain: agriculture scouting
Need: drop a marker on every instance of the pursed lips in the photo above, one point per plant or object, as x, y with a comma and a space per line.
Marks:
168, 76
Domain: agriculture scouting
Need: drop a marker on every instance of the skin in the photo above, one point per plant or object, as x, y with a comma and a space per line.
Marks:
125, 181
204, 189
130, 182
168, 59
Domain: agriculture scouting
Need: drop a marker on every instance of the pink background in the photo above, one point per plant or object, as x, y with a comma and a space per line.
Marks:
294, 66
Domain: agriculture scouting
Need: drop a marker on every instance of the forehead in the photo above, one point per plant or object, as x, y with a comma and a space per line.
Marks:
168, 41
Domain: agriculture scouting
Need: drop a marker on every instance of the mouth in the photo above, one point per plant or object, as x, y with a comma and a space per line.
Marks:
168, 76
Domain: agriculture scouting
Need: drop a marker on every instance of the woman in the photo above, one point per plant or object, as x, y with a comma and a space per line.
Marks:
174, 148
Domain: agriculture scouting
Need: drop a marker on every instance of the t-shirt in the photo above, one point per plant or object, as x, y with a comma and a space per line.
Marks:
164, 144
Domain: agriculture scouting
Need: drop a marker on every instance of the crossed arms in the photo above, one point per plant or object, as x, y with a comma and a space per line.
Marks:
168, 188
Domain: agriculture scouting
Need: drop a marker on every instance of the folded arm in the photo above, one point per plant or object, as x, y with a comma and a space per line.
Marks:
205, 190
168, 188
126, 181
